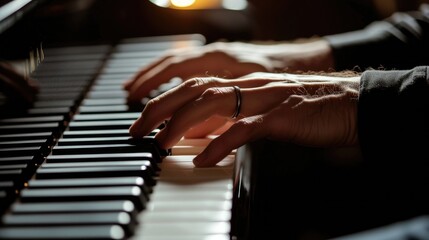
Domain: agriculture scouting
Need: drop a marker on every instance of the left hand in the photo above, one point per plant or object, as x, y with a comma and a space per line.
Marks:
15, 85
311, 110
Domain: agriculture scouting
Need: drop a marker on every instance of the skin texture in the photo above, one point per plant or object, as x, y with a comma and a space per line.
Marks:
312, 110
229, 60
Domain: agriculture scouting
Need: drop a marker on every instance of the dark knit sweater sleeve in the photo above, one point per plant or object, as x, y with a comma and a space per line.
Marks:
398, 42
393, 116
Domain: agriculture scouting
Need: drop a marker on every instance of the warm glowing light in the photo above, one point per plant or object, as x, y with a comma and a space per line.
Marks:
234, 4
182, 3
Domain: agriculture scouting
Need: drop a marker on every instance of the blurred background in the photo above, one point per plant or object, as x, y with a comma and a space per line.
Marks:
76, 21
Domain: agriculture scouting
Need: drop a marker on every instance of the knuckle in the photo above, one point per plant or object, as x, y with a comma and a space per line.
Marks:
197, 82
151, 104
248, 127
213, 93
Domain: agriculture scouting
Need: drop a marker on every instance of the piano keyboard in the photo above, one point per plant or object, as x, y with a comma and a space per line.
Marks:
68, 169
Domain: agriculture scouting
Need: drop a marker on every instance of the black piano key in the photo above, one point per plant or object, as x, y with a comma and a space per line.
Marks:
75, 207
66, 111
28, 128
97, 125
90, 182
41, 119
60, 66
23, 143
24, 151
131, 193
25, 136
95, 172
103, 157
110, 232
7, 185
65, 72
96, 133
107, 116
99, 163
153, 170
104, 109
89, 149
13, 166
64, 81
122, 219
102, 140
79, 51
112, 148
61, 89
12, 174
20, 160
59, 96
56, 103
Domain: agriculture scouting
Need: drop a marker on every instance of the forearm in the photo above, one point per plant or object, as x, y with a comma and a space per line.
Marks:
399, 42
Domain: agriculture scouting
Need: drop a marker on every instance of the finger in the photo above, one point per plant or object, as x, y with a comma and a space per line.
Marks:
221, 101
151, 79
209, 65
130, 83
206, 128
196, 112
164, 106
243, 131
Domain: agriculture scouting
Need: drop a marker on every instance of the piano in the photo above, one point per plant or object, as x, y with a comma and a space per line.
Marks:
69, 170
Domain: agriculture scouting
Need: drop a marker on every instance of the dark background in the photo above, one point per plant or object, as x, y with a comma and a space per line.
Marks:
68, 22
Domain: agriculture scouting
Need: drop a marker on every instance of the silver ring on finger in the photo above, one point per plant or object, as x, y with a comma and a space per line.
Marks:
237, 92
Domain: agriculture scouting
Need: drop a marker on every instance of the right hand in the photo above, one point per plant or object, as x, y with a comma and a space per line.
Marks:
311, 110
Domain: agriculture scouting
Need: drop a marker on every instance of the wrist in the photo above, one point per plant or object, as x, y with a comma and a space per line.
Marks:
315, 55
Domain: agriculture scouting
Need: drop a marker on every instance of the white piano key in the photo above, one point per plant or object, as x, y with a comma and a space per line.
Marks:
221, 184
182, 229
186, 216
194, 203
191, 195
189, 158
200, 205
188, 237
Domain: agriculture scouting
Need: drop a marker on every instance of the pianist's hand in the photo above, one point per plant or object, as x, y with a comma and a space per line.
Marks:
16, 86
230, 60
313, 110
